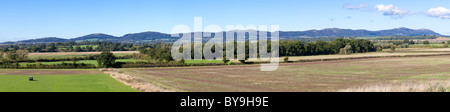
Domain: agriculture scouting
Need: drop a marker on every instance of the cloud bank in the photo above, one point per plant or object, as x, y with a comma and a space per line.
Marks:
390, 10
439, 12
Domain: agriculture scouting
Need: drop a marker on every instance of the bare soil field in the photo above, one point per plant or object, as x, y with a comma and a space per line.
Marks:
361, 56
305, 76
50, 72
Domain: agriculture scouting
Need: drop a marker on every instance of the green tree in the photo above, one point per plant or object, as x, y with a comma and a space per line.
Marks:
52, 47
89, 48
78, 49
406, 41
393, 48
11, 56
346, 50
22, 54
106, 59
426, 42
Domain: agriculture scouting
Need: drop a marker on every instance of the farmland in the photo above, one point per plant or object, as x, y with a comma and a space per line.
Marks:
308, 76
73, 54
84, 61
46, 80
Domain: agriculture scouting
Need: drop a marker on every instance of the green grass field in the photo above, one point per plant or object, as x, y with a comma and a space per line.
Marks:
65, 56
83, 61
84, 46
62, 83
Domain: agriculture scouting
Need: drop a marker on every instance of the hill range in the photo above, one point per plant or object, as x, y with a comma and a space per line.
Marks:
145, 37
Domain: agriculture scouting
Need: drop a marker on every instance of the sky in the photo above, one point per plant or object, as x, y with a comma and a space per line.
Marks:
30, 19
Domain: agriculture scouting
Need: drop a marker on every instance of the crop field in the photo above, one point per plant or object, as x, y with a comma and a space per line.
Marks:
50, 80
412, 52
305, 76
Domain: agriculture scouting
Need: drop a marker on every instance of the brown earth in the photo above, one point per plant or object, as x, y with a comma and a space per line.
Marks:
305, 76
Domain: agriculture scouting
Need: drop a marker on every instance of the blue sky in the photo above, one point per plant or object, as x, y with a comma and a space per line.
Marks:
29, 19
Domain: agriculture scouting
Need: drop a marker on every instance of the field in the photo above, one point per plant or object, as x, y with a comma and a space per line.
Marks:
59, 81
307, 76
73, 54
83, 61
84, 46
406, 52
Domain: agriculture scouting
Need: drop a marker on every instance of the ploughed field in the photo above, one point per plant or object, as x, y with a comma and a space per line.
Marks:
304, 76
59, 80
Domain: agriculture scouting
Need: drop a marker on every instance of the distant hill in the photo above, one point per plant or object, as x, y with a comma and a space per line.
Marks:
44, 40
94, 37
145, 37
336, 32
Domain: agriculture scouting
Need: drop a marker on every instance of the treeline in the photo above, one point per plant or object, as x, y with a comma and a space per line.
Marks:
71, 46
287, 48
47, 66
299, 48
405, 37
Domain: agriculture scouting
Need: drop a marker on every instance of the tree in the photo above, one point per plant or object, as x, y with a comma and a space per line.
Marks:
426, 42
52, 48
411, 42
35, 49
446, 45
1, 54
346, 50
89, 48
406, 41
22, 54
11, 56
393, 48
78, 49
379, 49
106, 59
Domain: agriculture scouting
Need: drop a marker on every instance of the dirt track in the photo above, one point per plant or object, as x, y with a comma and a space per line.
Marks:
134, 82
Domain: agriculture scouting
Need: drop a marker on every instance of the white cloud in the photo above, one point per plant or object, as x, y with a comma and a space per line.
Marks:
390, 10
360, 6
440, 12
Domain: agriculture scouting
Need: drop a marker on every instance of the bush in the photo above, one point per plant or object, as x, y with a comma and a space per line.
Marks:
393, 48
379, 49
286, 59
346, 50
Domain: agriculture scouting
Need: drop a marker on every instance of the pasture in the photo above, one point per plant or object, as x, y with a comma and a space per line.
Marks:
67, 80
57, 55
305, 76
84, 61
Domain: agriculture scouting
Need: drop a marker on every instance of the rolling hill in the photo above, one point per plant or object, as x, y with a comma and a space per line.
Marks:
145, 37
